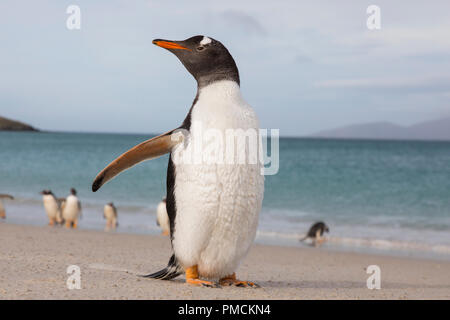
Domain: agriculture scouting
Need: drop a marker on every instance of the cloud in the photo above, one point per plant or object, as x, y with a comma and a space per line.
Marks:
303, 59
244, 21
424, 83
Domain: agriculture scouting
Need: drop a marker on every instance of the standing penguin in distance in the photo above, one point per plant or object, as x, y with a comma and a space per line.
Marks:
110, 214
213, 207
52, 207
72, 210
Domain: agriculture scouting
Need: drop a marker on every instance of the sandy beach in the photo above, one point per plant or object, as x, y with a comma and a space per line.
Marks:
34, 260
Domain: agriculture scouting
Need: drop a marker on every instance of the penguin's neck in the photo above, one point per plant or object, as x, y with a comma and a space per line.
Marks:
219, 91
215, 93
230, 74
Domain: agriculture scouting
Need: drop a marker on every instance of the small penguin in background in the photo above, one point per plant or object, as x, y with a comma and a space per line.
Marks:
72, 210
52, 207
162, 219
315, 233
110, 214
2, 208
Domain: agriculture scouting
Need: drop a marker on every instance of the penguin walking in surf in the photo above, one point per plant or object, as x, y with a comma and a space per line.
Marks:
2, 208
72, 210
162, 219
110, 214
315, 233
52, 208
213, 207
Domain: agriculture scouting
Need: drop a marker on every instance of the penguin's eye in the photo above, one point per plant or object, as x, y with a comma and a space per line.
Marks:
200, 48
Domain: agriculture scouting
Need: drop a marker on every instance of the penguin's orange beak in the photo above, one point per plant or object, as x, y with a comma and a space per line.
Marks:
168, 44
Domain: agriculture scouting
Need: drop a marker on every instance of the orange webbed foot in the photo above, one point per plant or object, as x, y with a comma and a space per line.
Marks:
192, 278
232, 281
202, 283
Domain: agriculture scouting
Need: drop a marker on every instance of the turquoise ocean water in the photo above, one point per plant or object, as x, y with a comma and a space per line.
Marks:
389, 196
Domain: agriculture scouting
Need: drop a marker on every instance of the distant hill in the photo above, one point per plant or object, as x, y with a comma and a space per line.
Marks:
12, 125
429, 130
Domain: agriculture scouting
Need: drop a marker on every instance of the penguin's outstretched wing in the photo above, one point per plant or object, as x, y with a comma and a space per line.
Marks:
6, 196
147, 150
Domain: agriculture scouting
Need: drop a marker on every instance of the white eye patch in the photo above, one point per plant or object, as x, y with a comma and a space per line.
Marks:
205, 40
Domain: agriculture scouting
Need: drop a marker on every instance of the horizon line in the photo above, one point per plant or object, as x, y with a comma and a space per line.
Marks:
306, 137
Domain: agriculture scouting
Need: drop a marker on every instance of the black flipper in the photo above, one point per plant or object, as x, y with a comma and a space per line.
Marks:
172, 271
173, 268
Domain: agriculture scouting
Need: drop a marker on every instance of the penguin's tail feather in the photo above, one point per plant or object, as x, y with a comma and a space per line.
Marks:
172, 271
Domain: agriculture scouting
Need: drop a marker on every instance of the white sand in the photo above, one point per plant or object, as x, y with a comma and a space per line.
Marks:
33, 262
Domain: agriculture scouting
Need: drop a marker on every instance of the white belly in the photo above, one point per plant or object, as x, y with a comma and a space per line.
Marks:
217, 203
71, 209
109, 213
51, 206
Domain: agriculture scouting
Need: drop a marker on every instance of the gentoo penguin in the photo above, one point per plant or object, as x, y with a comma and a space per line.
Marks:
72, 210
2, 208
162, 219
110, 214
315, 233
213, 206
52, 207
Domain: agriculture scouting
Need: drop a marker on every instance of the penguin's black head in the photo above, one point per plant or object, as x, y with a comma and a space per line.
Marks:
111, 204
73, 191
46, 192
205, 58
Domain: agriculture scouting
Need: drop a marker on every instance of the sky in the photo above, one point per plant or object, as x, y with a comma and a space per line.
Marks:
304, 66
